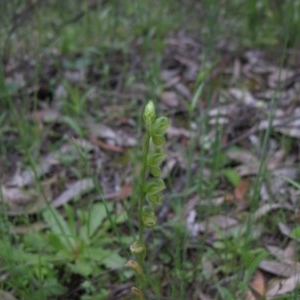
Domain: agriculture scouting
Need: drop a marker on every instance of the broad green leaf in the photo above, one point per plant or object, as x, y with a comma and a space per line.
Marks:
73, 125
94, 219
232, 176
70, 213
114, 260
59, 226
109, 258
55, 242
296, 232
121, 217
84, 268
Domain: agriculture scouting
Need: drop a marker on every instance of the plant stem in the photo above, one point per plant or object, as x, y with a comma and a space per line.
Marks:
141, 199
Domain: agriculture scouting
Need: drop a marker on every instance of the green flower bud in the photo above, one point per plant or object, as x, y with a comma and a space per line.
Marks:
158, 140
154, 186
137, 293
133, 265
161, 125
148, 217
138, 248
154, 170
156, 157
155, 199
149, 115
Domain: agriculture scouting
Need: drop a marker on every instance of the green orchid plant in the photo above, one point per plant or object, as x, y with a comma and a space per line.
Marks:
149, 190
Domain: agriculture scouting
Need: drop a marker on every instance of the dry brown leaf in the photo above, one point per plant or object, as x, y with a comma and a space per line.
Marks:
214, 202
279, 183
173, 81
203, 296
168, 167
286, 255
216, 223
101, 130
279, 287
74, 190
168, 75
278, 76
30, 228
289, 253
236, 72
75, 76
286, 230
106, 146
296, 216
249, 295
186, 61
118, 137
266, 208
28, 176
247, 170
170, 99
17, 196
45, 115
183, 90
6, 296
286, 124
222, 222
258, 283
241, 189
246, 97
60, 94
255, 57
242, 156
125, 192
178, 132
212, 226
275, 251
21, 201
191, 224
281, 269
221, 114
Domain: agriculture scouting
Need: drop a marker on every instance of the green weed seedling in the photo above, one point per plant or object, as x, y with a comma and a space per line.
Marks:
80, 247
149, 190
76, 244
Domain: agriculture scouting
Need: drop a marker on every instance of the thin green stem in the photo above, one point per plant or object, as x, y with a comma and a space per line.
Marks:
141, 199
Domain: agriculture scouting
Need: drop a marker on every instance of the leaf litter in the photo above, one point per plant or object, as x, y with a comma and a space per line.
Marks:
240, 107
